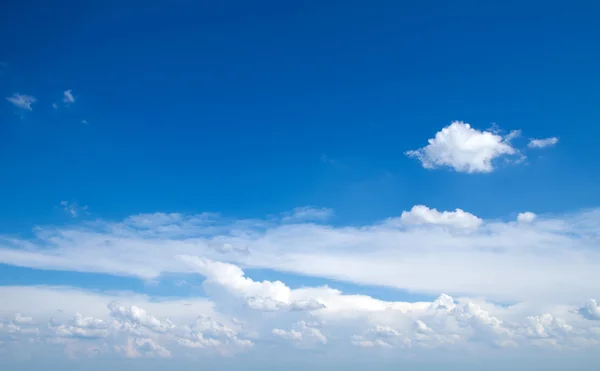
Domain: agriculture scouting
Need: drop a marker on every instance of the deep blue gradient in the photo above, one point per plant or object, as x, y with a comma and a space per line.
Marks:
229, 106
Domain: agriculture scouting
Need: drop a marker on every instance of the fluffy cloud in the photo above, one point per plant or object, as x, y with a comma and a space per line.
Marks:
20, 319
464, 149
541, 143
128, 330
420, 215
302, 334
208, 333
135, 316
443, 323
142, 347
526, 217
84, 327
22, 101
266, 295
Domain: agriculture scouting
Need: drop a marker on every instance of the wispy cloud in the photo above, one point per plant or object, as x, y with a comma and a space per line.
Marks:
22, 101
328, 160
541, 143
427, 250
84, 122
72, 208
68, 97
307, 213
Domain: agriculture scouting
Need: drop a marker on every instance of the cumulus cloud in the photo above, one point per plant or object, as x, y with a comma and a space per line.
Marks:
22, 101
464, 149
541, 143
80, 326
142, 347
526, 217
302, 334
206, 333
266, 295
20, 319
68, 97
442, 323
128, 330
136, 316
421, 215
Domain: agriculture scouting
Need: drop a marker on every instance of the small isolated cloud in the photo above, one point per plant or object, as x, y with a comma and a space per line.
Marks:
526, 217
84, 122
72, 208
464, 149
54, 106
22, 101
541, 143
422, 215
68, 96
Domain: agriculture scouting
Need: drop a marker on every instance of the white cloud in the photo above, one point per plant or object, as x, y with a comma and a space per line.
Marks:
464, 149
22, 101
422, 215
266, 295
556, 255
68, 97
208, 333
288, 335
55, 106
20, 319
136, 316
302, 334
142, 347
132, 331
541, 143
81, 327
526, 217
129, 329
84, 122
72, 208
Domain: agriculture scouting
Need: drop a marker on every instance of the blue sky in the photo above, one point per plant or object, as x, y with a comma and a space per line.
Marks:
353, 156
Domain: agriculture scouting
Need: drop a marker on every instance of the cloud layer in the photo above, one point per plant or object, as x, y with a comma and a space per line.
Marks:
423, 250
543, 266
